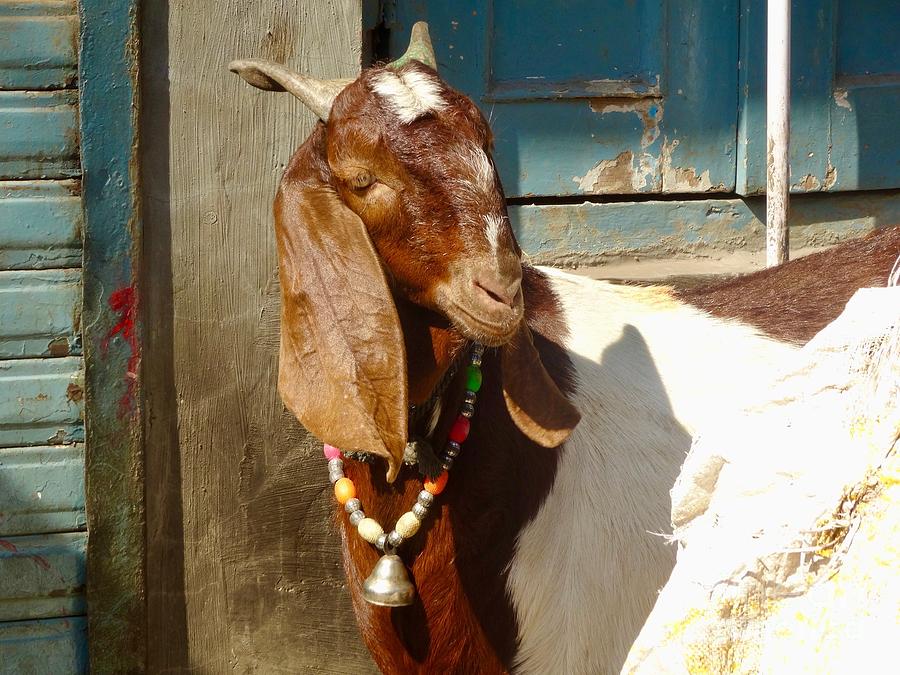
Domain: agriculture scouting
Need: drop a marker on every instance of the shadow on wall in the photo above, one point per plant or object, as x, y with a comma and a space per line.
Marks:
167, 619
243, 568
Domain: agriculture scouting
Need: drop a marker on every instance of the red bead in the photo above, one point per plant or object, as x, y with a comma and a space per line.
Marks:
459, 432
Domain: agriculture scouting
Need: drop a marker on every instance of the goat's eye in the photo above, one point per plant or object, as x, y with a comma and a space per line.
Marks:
362, 180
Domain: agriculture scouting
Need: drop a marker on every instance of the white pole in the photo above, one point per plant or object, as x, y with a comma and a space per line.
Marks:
778, 134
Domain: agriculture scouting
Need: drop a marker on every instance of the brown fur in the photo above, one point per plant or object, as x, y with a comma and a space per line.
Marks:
415, 176
796, 300
462, 621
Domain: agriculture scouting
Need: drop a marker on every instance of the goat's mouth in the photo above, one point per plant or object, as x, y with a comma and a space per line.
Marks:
481, 315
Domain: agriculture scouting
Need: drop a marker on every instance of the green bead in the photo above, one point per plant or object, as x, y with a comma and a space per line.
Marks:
473, 378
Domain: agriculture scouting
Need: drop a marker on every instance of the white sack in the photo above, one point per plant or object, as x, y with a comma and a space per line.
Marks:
787, 518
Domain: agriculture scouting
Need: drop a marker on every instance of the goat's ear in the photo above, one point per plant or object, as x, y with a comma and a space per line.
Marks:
342, 368
535, 403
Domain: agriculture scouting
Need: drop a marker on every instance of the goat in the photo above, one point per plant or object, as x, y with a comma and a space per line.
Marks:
396, 252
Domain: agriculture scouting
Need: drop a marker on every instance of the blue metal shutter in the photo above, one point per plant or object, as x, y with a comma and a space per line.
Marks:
42, 513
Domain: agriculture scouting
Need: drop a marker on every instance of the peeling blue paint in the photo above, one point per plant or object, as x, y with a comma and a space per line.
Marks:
45, 646
587, 233
42, 576
39, 136
39, 313
40, 224
41, 489
41, 401
38, 44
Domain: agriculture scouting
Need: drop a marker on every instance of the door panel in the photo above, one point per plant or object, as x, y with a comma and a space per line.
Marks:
845, 89
635, 97
597, 56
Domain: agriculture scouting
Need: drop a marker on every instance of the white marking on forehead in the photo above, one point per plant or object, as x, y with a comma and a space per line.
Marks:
484, 172
476, 169
493, 225
410, 94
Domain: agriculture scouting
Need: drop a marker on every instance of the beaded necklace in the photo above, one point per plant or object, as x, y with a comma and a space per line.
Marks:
389, 584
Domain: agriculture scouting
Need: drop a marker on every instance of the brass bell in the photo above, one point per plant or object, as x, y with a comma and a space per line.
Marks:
388, 585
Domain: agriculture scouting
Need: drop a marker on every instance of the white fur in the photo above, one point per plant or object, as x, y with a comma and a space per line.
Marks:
410, 95
588, 567
481, 167
492, 227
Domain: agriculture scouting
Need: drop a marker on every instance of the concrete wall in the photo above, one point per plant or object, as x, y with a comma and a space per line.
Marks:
243, 563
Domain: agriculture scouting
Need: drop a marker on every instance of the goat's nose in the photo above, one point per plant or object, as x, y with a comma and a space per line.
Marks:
499, 290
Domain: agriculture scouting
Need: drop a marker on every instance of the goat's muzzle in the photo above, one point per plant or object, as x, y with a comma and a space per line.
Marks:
485, 303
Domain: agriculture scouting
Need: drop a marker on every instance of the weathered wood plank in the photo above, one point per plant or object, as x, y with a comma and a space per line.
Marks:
243, 563
42, 576
41, 489
41, 401
112, 333
47, 646
584, 234
38, 44
39, 313
40, 224
38, 134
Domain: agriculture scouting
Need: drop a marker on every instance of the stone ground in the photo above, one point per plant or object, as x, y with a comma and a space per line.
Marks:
683, 271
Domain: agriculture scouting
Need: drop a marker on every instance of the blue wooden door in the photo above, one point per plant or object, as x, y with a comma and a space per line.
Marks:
623, 98
650, 96
845, 89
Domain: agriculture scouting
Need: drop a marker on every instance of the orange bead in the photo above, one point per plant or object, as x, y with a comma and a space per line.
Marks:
437, 485
344, 490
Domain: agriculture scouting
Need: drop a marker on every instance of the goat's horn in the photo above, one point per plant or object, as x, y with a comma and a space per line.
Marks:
317, 95
420, 48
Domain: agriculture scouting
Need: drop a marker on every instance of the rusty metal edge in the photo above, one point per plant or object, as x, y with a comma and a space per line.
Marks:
114, 460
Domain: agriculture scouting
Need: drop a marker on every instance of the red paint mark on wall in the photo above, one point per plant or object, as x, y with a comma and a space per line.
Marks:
124, 303
8, 546
41, 561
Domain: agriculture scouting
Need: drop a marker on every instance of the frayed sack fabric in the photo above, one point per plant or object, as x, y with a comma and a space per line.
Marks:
787, 518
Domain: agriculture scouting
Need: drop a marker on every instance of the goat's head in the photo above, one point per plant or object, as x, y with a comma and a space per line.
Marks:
394, 194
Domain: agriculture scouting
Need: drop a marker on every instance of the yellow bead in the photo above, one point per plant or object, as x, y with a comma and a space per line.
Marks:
407, 525
369, 529
344, 490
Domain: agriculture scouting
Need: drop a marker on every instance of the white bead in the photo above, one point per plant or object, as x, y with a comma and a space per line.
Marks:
407, 525
369, 529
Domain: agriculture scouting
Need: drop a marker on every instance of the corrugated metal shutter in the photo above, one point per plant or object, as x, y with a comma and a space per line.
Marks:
42, 514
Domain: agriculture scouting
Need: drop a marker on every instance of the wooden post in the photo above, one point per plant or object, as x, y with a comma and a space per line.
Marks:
112, 336
778, 135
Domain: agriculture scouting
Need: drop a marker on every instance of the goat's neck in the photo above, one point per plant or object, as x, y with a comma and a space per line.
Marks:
431, 346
